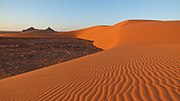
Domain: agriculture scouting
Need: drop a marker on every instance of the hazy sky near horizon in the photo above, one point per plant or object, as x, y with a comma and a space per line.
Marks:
64, 15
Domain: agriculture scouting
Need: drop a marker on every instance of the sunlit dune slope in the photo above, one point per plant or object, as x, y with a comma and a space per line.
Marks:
141, 62
102, 36
150, 33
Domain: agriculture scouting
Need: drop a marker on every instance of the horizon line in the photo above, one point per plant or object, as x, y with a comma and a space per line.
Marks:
89, 26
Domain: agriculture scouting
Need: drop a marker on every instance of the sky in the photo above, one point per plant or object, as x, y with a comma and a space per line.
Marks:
66, 15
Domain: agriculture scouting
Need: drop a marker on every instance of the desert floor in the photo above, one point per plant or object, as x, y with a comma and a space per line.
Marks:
140, 62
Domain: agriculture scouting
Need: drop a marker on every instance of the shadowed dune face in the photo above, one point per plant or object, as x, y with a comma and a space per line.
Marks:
141, 63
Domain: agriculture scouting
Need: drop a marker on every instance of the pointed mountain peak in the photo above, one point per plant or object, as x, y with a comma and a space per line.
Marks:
49, 29
29, 29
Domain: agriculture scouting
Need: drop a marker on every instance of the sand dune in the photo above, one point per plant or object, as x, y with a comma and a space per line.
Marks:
141, 62
134, 32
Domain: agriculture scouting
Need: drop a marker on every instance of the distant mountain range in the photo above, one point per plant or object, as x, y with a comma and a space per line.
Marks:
32, 29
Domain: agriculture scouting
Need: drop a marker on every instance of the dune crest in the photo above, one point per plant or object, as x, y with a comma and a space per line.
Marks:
140, 63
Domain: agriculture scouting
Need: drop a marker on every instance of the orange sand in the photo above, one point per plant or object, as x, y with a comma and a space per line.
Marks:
141, 62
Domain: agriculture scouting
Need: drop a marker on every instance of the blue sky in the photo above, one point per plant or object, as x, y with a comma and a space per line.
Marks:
64, 15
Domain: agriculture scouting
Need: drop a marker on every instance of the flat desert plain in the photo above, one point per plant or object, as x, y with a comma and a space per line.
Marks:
140, 62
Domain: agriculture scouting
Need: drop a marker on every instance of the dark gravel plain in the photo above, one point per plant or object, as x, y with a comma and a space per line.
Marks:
20, 55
